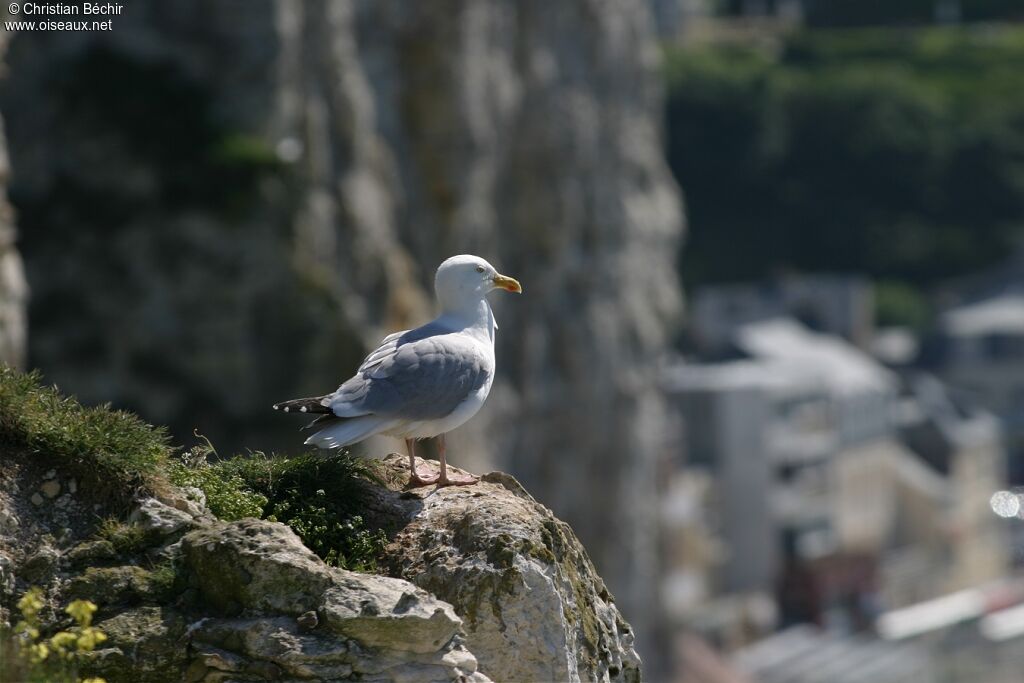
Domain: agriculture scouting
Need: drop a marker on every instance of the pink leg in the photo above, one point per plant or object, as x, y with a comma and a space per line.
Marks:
443, 479
415, 478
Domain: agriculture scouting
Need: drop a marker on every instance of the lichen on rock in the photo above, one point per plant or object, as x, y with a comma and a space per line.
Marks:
534, 606
366, 626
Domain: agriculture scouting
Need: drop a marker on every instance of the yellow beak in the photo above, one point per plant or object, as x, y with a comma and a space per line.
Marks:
509, 284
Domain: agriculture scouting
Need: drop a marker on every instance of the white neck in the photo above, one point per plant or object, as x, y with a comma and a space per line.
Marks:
476, 316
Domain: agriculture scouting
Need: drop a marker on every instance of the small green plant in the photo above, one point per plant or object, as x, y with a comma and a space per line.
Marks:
112, 453
126, 538
34, 658
228, 495
319, 497
343, 542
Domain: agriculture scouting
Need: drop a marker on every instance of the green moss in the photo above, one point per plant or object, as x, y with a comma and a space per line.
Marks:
126, 539
112, 452
128, 584
573, 565
165, 582
93, 552
228, 495
319, 497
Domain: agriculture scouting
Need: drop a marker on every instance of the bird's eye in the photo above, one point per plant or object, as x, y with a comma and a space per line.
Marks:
479, 269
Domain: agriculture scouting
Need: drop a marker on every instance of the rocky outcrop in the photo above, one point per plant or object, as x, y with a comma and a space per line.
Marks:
483, 583
534, 607
293, 616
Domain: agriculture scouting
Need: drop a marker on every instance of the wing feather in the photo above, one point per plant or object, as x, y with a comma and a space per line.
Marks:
421, 374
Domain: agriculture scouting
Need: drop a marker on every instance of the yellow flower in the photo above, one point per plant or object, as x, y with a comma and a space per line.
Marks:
81, 611
89, 638
38, 652
63, 641
66, 646
23, 628
31, 603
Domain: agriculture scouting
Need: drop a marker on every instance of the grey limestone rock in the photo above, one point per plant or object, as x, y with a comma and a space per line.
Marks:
160, 519
262, 581
533, 605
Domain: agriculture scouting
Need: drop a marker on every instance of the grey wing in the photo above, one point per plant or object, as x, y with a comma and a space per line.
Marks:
416, 377
382, 352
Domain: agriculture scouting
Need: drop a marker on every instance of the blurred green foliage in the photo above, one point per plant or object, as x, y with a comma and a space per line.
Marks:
894, 152
900, 304
888, 12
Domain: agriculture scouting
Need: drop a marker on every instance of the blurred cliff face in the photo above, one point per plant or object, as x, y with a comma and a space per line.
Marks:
13, 289
223, 204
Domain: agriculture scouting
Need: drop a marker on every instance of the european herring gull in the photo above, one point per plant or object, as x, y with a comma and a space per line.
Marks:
424, 382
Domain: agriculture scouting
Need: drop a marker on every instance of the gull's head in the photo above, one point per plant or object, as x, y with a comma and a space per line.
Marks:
463, 280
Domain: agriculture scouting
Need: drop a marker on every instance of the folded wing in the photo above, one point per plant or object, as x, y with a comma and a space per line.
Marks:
423, 374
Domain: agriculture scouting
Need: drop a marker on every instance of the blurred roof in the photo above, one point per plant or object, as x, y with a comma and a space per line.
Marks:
1001, 598
787, 358
1003, 314
804, 653
842, 366
1005, 624
773, 376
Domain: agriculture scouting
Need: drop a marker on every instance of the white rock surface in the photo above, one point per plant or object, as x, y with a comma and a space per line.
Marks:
533, 605
160, 518
370, 628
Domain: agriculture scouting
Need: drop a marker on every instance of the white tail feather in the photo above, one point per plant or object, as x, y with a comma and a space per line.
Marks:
349, 432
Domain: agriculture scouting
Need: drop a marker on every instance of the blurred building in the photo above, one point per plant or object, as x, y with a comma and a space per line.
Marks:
966, 447
836, 304
673, 17
970, 635
978, 349
837, 488
808, 655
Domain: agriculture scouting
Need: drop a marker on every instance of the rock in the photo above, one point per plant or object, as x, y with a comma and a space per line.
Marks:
8, 520
6, 579
40, 565
189, 499
92, 553
36, 499
534, 607
307, 621
161, 519
72, 486
50, 474
366, 627
485, 584
127, 584
50, 488
195, 496
389, 614
256, 564
144, 644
